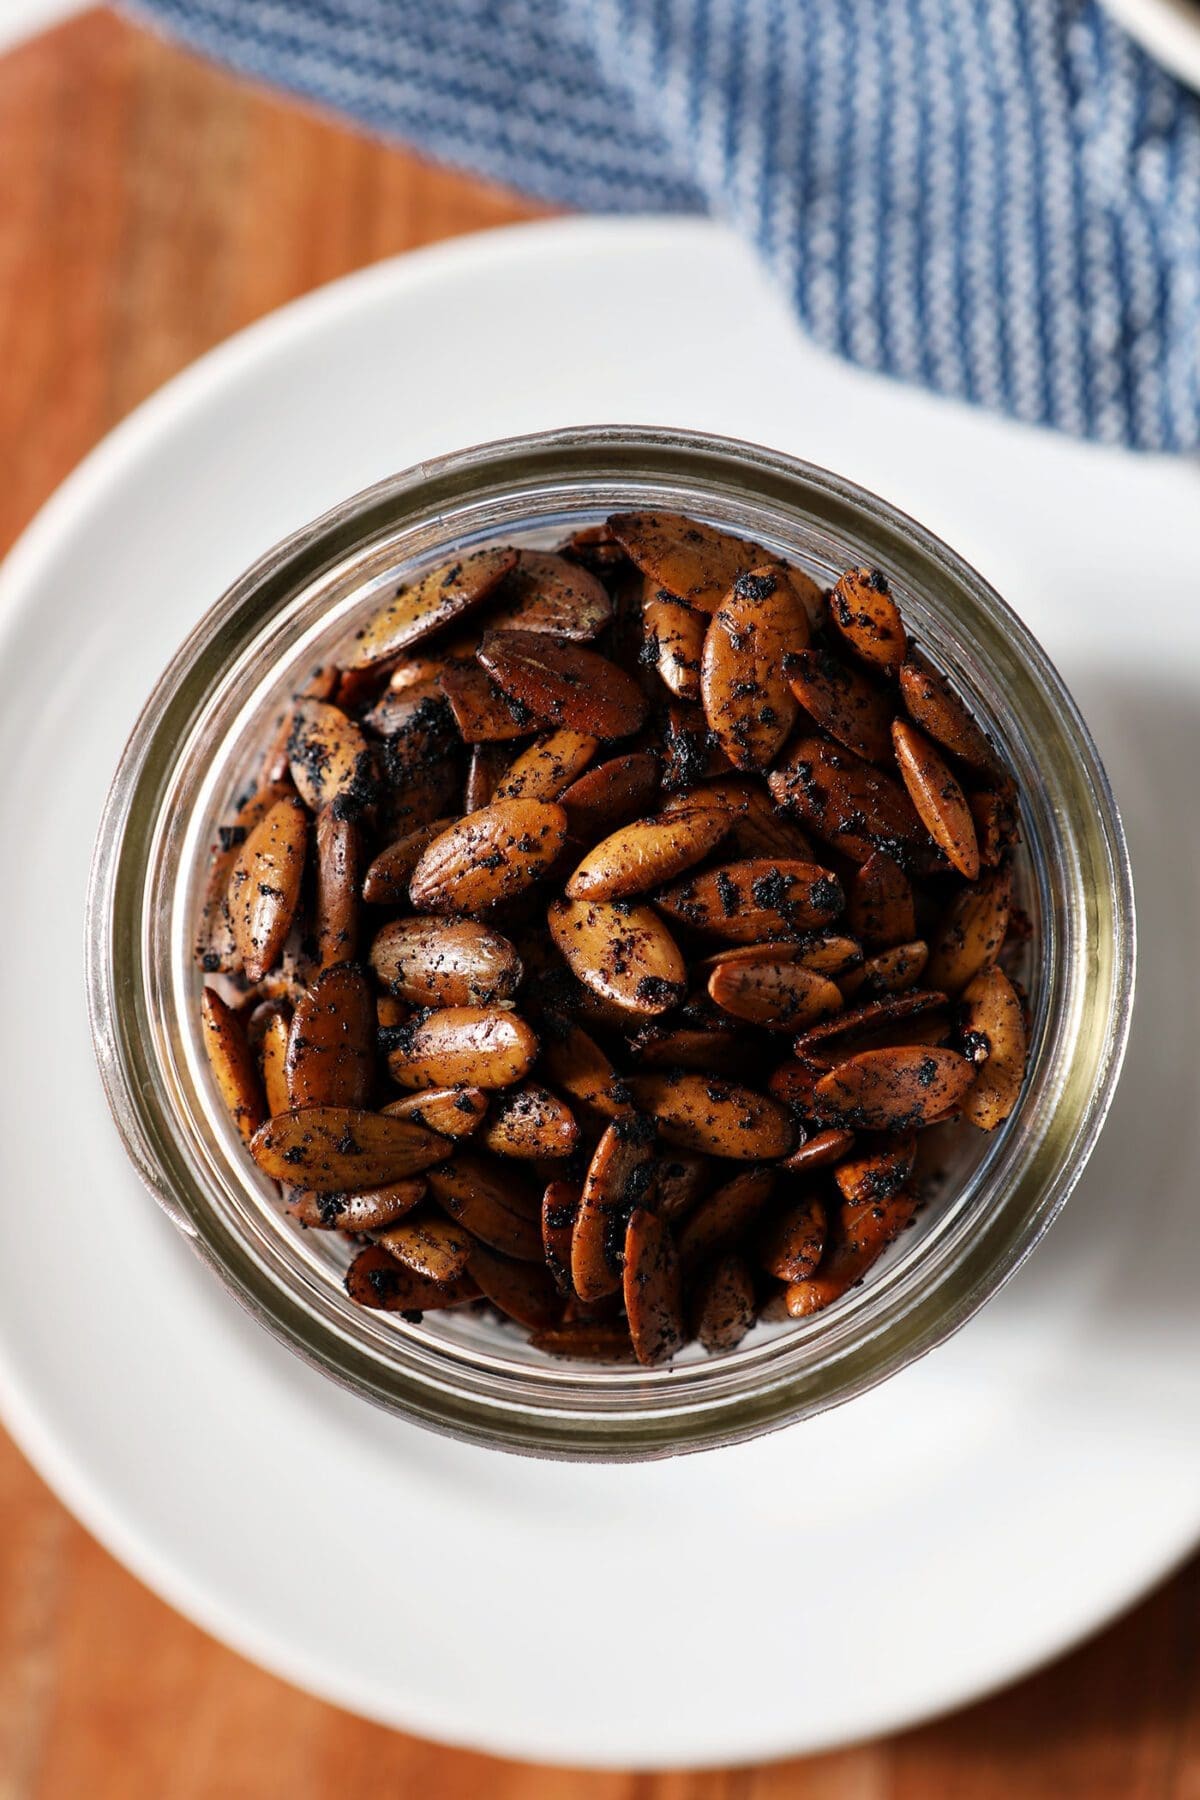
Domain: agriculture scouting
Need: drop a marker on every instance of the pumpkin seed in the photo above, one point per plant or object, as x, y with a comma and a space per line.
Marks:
547, 593
477, 1194
329, 759
937, 797
680, 1179
725, 1216
386, 881
674, 643
322, 685
867, 1180
843, 702
481, 712
488, 857
525, 1291
758, 828
338, 1149
653, 1288
791, 1242
474, 1046
749, 901
434, 961
371, 1210
856, 1247
724, 1305
563, 683
528, 1122
455, 1112
862, 610
992, 1015
338, 877
547, 768
995, 816
264, 886
623, 953
707, 1113
850, 804
640, 856
560, 1208
932, 703
894, 1090
821, 1151
272, 1057
329, 1052
216, 947
232, 1063
487, 766
748, 701
610, 794
692, 562
971, 934
690, 750
585, 1341
868, 1017
779, 994
435, 599
377, 1280
890, 972
685, 1048
574, 1062
880, 908
429, 1246
619, 1179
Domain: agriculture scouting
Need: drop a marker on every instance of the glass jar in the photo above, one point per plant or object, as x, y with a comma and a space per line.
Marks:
195, 750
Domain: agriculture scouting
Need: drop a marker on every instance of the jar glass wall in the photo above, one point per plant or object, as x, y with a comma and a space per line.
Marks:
195, 749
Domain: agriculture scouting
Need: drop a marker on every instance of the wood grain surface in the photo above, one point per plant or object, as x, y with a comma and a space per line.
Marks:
149, 206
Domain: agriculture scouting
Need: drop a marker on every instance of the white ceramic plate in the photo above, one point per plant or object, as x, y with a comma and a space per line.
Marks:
928, 1542
1168, 29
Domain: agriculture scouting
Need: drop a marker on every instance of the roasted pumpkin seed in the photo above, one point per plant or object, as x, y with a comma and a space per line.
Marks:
653, 1288
620, 1178
232, 1063
894, 1090
371, 1210
564, 684
338, 1149
791, 1242
434, 961
748, 700
530, 1122
429, 603
264, 886
939, 800
330, 1060
448, 775
488, 857
724, 1306
429, 1246
623, 953
701, 1113
641, 856
863, 611
473, 1046
993, 1019
749, 901
377, 1280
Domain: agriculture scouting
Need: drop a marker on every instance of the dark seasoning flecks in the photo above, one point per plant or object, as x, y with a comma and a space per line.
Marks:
606, 1093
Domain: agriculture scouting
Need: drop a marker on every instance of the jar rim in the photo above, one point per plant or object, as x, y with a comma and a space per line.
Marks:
561, 1411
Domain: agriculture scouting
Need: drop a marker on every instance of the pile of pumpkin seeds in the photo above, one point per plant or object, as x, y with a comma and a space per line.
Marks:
605, 929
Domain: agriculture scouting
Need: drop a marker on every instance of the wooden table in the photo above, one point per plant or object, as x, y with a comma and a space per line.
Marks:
149, 206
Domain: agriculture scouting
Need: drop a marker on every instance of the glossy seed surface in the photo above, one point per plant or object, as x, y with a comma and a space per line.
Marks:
609, 939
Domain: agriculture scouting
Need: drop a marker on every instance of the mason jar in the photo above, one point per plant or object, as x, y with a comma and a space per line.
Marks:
195, 751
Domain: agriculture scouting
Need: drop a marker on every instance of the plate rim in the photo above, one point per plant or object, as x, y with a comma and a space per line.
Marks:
56, 1460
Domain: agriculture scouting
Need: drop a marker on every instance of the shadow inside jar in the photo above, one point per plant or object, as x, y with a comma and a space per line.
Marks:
1130, 1236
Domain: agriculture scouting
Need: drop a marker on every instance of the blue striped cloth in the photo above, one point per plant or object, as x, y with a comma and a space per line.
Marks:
999, 199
